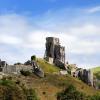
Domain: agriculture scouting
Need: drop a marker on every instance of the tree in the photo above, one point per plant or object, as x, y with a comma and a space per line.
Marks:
95, 97
33, 57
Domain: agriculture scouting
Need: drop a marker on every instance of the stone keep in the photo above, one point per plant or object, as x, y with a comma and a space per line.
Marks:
55, 53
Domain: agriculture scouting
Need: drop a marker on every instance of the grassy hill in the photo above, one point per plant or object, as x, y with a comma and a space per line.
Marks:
47, 87
47, 68
96, 69
56, 82
96, 72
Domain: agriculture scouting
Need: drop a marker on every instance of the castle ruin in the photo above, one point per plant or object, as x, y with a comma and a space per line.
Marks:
55, 53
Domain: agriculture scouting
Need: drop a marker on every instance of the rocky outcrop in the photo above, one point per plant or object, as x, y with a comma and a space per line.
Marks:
37, 70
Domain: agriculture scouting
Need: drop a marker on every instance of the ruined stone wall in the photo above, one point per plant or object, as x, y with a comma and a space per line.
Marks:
10, 69
86, 76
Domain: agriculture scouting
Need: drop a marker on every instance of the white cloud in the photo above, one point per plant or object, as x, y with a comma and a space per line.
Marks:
7, 39
27, 38
94, 9
87, 29
86, 47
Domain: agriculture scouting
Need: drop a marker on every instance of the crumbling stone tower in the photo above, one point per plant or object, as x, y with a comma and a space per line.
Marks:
55, 53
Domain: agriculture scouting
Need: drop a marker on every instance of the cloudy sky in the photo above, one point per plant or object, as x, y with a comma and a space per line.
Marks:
24, 25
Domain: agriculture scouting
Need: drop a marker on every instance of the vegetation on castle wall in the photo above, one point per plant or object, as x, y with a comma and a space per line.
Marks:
33, 57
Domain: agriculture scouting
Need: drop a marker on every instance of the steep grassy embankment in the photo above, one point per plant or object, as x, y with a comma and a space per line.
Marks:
47, 68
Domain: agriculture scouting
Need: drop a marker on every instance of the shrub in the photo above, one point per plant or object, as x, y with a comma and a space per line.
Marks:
33, 57
95, 97
6, 82
71, 93
31, 94
18, 63
25, 73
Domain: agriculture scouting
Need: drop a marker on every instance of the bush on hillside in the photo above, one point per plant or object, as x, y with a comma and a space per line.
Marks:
31, 94
25, 73
71, 93
6, 82
95, 97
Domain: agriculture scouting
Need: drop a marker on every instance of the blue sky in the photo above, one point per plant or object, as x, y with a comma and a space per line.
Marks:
24, 25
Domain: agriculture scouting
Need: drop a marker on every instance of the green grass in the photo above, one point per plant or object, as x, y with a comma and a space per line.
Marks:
96, 72
47, 68
63, 81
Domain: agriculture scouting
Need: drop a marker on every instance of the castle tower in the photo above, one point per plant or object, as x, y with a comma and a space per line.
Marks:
55, 53
50, 46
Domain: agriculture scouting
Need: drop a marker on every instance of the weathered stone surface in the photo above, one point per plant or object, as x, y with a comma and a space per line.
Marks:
59, 64
55, 51
96, 83
63, 72
86, 76
37, 70
2, 65
15, 69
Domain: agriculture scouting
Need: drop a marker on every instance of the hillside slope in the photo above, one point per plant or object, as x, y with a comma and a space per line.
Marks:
96, 72
48, 87
56, 82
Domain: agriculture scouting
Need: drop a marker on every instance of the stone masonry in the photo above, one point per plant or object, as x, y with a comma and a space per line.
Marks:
55, 53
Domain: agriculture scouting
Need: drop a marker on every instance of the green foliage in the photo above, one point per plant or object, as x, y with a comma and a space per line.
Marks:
10, 90
31, 94
48, 68
33, 57
96, 72
95, 97
18, 63
25, 73
6, 82
71, 93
